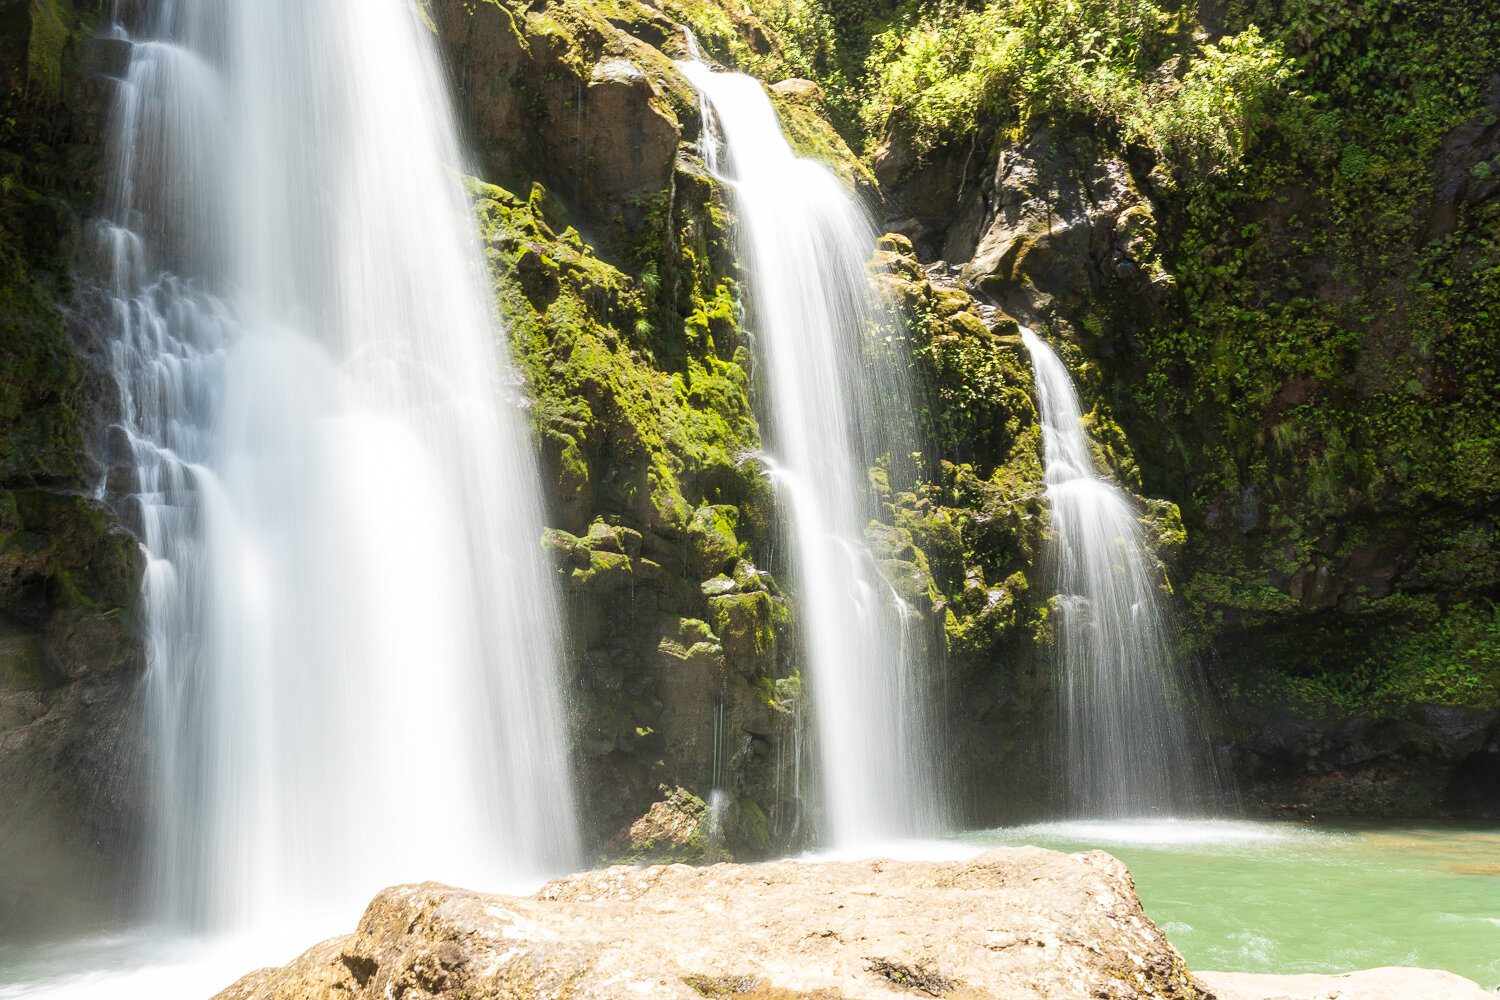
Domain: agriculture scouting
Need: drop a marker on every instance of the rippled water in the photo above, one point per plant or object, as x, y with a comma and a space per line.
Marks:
1282, 898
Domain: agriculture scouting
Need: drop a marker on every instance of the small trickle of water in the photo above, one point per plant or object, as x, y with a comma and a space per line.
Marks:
831, 404
717, 810
1132, 743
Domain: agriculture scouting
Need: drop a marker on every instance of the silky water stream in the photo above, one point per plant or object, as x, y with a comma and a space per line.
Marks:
834, 400
353, 671
1131, 741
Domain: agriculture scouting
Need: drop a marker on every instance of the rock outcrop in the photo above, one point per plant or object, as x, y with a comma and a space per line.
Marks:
1013, 924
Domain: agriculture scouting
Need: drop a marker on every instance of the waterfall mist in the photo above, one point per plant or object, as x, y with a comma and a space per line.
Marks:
1132, 744
354, 677
832, 401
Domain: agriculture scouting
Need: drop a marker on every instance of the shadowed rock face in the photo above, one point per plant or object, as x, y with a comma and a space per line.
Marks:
70, 802
1013, 923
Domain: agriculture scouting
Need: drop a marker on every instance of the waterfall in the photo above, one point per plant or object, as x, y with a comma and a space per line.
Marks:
1131, 742
353, 674
831, 400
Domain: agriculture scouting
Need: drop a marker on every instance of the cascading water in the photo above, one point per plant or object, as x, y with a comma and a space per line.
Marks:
353, 677
1131, 745
830, 405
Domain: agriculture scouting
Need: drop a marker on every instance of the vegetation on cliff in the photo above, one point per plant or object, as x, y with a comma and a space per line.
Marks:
1270, 229
1130, 64
1319, 403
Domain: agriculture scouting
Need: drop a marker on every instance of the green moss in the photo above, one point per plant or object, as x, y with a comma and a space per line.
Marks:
754, 830
620, 434
749, 626
712, 543
40, 438
805, 122
50, 32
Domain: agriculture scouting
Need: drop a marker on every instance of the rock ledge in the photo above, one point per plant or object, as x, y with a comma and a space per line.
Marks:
1014, 923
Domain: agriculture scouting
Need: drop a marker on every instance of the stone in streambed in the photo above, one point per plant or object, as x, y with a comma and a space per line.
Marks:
1370, 984
1016, 923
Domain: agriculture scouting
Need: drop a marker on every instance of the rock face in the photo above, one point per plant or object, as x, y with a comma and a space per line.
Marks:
1012, 923
618, 284
69, 573
1431, 758
600, 107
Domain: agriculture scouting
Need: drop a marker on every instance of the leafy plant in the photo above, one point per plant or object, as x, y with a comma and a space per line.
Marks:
1130, 64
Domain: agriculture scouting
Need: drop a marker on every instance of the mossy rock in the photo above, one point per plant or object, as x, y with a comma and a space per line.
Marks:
671, 831
749, 627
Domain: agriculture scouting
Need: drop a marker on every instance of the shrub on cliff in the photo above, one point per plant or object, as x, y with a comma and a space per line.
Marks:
1130, 64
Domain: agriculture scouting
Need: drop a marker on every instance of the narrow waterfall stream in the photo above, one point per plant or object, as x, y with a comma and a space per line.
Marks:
354, 678
1131, 743
829, 406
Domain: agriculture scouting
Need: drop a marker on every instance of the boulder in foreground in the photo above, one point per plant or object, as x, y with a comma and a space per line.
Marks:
1014, 923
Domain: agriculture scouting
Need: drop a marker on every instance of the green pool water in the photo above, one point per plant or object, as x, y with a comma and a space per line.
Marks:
1264, 897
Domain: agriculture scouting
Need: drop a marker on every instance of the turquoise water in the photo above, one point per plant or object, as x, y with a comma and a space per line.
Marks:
1282, 898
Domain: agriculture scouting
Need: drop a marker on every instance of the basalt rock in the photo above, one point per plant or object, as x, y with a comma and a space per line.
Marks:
1048, 226
601, 109
1011, 924
1427, 760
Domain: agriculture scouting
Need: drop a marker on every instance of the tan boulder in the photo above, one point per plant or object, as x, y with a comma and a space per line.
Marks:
1015, 923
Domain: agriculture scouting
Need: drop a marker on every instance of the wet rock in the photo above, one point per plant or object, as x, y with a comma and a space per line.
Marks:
747, 625
599, 106
1410, 764
1014, 923
711, 540
926, 193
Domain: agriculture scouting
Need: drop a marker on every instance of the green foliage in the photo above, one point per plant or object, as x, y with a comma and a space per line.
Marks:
1340, 341
1130, 64
1415, 652
1206, 120
1324, 395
